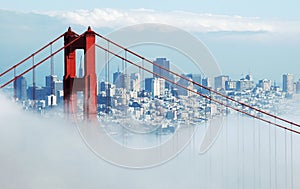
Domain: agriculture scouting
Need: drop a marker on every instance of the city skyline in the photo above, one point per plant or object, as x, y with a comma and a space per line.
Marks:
132, 81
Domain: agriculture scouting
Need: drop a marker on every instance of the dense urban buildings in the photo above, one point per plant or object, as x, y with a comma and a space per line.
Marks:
154, 99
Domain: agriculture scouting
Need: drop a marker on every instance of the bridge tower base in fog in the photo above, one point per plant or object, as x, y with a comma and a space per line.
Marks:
88, 83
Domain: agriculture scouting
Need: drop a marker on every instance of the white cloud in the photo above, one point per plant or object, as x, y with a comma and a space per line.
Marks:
194, 22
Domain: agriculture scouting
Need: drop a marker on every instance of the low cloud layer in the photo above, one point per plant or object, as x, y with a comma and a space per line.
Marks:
194, 22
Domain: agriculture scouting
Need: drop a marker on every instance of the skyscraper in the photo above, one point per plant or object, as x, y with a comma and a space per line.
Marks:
265, 84
53, 85
163, 62
298, 87
197, 79
288, 83
50, 79
158, 87
186, 83
80, 71
121, 80
148, 84
135, 82
230, 85
207, 83
220, 82
21, 88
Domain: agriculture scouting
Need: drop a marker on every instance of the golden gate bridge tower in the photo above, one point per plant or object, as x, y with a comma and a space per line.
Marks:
88, 83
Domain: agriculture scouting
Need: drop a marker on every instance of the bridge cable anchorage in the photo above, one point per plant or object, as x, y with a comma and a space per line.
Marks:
195, 83
200, 94
24, 60
42, 61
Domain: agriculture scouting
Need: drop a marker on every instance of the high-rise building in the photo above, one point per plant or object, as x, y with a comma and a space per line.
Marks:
107, 88
163, 62
244, 84
197, 79
121, 80
135, 82
288, 83
230, 85
265, 84
80, 70
50, 79
186, 83
53, 85
21, 88
207, 83
298, 87
155, 85
220, 82
148, 84
158, 87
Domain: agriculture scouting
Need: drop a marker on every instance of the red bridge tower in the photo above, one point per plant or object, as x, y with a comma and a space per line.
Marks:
87, 84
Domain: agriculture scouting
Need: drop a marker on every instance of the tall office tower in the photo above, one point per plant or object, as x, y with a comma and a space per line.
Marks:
50, 87
197, 79
207, 83
220, 82
265, 84
135, 82
298, 87
163, 62
158, 87
186, 83
288, 83
21, 88
148, 84
121, 80
80, 70
230, 85
106, 88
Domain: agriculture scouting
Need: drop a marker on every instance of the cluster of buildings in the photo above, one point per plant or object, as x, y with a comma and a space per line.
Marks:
163, 97
49, 95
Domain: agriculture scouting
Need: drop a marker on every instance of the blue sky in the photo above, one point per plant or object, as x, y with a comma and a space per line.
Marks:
261, 37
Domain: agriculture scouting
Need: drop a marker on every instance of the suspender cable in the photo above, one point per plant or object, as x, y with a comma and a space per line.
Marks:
15, 84
33, 83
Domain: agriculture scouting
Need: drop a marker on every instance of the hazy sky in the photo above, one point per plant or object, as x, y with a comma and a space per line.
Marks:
267, 8
260, 37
